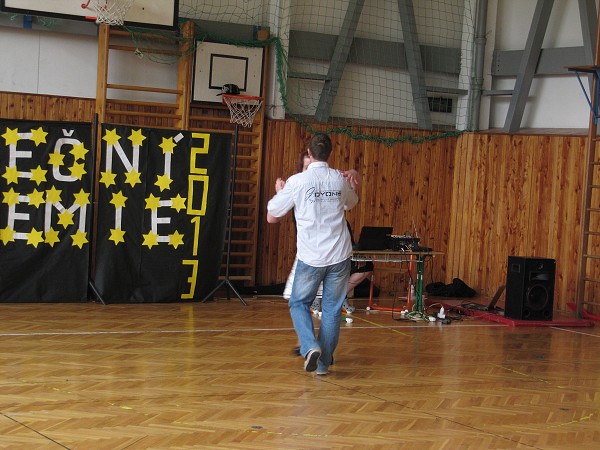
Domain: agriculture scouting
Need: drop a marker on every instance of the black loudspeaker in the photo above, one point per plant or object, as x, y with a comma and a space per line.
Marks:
529, 288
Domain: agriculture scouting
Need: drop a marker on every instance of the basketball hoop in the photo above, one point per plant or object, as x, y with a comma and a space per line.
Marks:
242, 108
110, 12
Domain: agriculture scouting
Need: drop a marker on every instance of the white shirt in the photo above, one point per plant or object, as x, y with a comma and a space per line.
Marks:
319, 196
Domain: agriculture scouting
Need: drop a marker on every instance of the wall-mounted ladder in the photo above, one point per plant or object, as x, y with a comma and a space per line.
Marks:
588, 285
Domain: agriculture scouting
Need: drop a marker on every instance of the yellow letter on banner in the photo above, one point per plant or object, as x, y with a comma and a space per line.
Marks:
193, 180
196, 222
192, 279
195, 151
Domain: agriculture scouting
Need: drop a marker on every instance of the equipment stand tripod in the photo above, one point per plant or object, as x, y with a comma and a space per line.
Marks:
226, 280
242, 109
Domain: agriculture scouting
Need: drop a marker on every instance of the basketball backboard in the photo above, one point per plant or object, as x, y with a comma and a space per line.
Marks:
217, 64
143, 13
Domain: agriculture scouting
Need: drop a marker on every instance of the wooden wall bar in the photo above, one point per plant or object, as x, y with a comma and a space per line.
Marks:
477, 198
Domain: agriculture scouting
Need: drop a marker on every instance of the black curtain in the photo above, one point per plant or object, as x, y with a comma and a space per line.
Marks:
45, 205
161, 209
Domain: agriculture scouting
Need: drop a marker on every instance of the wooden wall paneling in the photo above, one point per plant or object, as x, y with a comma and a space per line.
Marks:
21, 106
568, 187
479, 198
514, 196
366, 191
286, 149
494, 239
472, 221
438, 209
460, 209
477, 220
537, 208
560, 215
466, 214
277, 247
531, 181
502, 218
389, 186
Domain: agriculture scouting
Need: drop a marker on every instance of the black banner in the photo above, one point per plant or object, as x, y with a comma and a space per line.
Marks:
45, 189
163, 203
161, 210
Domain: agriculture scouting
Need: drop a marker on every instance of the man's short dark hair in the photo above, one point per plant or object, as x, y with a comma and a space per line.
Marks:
320, 147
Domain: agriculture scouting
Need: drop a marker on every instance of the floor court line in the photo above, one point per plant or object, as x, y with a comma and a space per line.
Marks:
223, 330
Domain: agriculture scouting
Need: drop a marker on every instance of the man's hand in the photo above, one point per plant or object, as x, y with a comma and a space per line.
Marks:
352, 177
279, 184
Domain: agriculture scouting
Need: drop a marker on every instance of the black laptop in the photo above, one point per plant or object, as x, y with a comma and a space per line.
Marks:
374, 238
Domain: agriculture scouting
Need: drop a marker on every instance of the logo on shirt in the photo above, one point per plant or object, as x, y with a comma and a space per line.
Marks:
312, 195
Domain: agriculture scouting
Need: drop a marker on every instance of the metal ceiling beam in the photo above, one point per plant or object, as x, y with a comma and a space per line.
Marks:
413, 60
589, 25
338, 60
529, 61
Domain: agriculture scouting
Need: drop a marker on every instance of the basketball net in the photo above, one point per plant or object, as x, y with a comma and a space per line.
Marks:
242, 108
111, 12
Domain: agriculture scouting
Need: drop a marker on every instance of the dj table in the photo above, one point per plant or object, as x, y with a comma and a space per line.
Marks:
416, 260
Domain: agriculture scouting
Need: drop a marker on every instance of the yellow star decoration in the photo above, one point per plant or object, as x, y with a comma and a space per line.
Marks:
178, 203
51, 237
53, 195
11, 175
136, 137
7, 235
11, 197
38, 136
176, 239
56, 159
107, 178
65, 219
38, 175
77, 170
11, 137
36, 198
167, 145
150, 239
163, 182
152, 202
133, 177
79, 238
117, 235
111, 137
82, 198
79, 151
34, 237
118, 199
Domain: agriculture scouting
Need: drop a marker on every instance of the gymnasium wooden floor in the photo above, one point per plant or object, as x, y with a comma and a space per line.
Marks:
221, 375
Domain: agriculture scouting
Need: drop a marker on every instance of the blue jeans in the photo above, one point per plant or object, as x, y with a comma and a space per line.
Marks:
304, 290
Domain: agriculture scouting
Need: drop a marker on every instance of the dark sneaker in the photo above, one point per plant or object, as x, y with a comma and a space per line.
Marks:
296, 351
321, 372
312, 358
